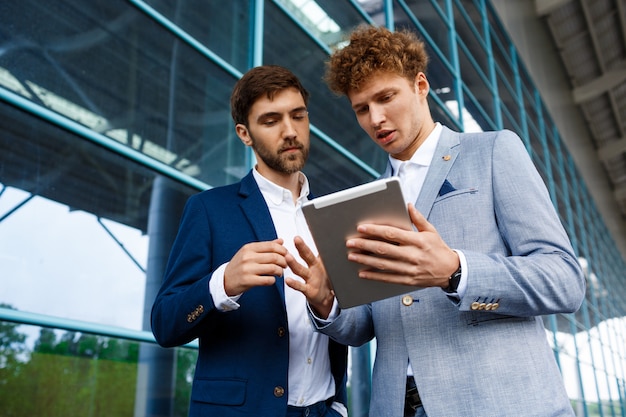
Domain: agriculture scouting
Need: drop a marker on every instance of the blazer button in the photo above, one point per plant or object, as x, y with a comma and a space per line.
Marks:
475, 305
281, 331
495, 306
279, 391
407, 300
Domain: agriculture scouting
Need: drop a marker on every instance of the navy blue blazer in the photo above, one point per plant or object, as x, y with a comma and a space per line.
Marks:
243, 355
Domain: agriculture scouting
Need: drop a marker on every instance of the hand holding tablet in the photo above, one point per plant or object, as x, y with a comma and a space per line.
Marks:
333, 219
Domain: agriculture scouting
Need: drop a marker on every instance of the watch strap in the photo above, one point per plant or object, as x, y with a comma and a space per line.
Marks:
453, 281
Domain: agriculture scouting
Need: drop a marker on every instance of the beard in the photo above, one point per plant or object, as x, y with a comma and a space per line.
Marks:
286, 163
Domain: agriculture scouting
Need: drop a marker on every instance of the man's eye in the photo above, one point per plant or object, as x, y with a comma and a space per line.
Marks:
361, 110
269, 122
386, 97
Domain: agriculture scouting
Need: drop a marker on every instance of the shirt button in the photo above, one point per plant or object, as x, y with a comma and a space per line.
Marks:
309, 361
279, 391
281, 331
407, 300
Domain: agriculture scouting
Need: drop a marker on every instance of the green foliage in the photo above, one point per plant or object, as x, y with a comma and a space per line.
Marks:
76, 374
185, 367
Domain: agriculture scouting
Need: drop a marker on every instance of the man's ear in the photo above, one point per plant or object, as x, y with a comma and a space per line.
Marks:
421, 84
244, 134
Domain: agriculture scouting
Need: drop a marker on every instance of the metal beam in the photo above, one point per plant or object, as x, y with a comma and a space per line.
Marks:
620, 193
600, 85
612, 149
544, 7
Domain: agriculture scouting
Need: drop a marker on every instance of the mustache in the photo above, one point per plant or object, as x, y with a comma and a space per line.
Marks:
291, 144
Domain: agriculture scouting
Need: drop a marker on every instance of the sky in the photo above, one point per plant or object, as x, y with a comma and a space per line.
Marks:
63, 263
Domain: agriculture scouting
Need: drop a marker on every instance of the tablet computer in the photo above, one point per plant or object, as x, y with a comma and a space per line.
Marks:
333, 219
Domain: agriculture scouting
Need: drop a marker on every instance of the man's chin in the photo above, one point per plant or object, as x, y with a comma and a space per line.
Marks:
296, 161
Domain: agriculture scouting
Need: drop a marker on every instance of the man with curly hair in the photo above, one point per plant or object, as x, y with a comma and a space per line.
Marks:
488, 256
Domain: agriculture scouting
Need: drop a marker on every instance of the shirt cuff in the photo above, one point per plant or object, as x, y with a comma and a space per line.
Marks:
340, 408
334, 312
463, 281
216, 287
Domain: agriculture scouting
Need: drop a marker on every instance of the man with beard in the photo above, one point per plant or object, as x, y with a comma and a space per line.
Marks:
259, 354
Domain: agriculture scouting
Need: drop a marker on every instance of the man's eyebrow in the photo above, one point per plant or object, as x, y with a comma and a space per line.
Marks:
268, 115
377, 94
279, 114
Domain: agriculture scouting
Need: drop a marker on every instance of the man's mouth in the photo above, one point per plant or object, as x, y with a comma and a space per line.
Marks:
384, 136
290, 149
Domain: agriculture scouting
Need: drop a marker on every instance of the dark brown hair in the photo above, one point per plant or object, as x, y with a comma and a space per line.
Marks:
264, 80
372, 50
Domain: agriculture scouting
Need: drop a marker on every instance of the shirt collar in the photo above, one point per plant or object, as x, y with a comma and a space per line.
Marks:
424, 154
277, 194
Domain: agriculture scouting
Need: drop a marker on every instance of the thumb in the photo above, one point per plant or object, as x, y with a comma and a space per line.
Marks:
420, 222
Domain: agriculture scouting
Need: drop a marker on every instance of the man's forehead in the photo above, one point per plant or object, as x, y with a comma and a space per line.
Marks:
284, 101
376, 84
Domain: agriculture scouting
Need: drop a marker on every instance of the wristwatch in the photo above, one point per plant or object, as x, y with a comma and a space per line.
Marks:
453, 281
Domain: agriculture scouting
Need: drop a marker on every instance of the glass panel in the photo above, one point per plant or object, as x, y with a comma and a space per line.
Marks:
328, 171
60, 373
296, 50
471, 33
468, 16
508, 121
74, 223
223, 27
498, 35
476, 84
502, 61
508, 97
329, 20
109, 67
445, 115
536, 143
474, 117
553, 160
432, 20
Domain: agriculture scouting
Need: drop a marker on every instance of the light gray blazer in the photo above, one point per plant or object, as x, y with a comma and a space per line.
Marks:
485, 197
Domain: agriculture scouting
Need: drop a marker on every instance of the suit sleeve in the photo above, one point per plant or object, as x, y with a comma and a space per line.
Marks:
540, 274
184, 300
352, 326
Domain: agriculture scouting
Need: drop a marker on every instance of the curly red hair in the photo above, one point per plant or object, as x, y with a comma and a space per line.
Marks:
372, 50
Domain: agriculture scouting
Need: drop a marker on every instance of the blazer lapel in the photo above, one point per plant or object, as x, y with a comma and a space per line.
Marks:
445, 154
447, 150
258, 214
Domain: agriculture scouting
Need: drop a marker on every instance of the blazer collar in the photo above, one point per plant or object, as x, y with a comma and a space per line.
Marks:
255, 209
259, 218
445, 154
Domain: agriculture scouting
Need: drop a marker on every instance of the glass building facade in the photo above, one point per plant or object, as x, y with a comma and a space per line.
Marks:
114, 112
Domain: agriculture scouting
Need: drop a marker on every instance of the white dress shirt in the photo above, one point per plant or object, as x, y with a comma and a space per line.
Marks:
412, 174
309, 378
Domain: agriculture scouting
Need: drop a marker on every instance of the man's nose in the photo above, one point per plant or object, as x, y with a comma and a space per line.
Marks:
289, 129
377, 116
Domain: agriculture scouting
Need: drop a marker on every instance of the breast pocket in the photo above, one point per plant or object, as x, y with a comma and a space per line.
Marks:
455, 194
